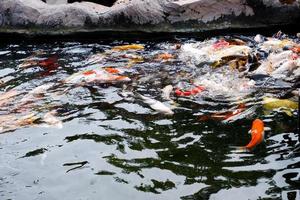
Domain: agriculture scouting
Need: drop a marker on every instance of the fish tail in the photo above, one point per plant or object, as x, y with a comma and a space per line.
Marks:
243, 149
239, 149
138, 95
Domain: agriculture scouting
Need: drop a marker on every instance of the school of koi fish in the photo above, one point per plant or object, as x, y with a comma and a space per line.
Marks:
227, 69
202, 119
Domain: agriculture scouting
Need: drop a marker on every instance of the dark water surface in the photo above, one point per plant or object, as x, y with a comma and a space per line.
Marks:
115, 147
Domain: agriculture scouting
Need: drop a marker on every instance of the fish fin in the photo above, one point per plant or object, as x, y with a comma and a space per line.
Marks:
174, 105
255, 140
239, 149
288, 112
138, 95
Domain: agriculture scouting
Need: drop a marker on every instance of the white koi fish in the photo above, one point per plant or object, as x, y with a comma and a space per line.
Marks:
166, 91
52, 120
155, 105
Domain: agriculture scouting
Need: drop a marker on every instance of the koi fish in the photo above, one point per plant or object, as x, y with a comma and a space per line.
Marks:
257, 134
273, 62
128, 47
296, 49
28, 63
155, 105
96, 58
52, 120
208, 52
285, 105
49, 63
240, 113
112, 70
133, 59
259, 38
27, 120
220, 44
285, 69
31, 60
166, 91
227, 116
273, 44
164, 56
96, 75
191, 92
274, 103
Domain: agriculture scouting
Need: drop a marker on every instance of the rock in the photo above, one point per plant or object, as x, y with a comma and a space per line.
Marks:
56, 2
37, 17
108, 3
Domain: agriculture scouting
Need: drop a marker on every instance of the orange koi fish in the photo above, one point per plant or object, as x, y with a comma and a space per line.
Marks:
257, 134
164, 56
112, 70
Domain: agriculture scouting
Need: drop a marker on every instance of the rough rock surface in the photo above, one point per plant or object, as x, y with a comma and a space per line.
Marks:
36, 17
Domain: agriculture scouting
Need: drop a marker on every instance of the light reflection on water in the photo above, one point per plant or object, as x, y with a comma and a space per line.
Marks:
118, 148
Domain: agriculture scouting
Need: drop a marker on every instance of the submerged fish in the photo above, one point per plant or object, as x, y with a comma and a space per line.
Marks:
240, 114
279, 65
224, 84
164, 56
27, 120
96, 58
155, 105
49, 63
274, 103
276, 45
285, 105
28, 63
225, 116
210, 52
191, 92
166, 91
257, 134
52, 120
96, 76
128, 47
259, 38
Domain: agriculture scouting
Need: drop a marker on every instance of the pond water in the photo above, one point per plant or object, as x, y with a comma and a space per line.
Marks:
75, 139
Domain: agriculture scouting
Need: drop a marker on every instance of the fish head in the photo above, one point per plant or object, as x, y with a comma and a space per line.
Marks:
257, 127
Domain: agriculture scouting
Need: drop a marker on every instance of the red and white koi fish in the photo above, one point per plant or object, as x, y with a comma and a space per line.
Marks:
96, 75
224, 115
48, 64
191, 92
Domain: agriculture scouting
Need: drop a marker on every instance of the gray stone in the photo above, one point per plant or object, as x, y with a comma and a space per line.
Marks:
36, 17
